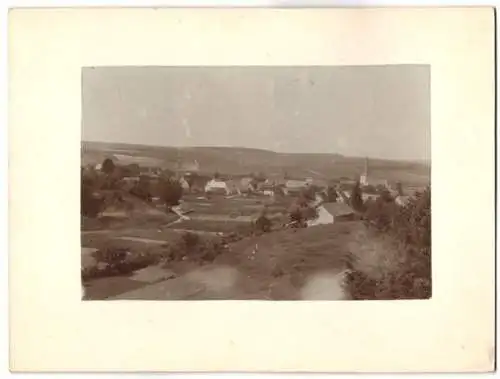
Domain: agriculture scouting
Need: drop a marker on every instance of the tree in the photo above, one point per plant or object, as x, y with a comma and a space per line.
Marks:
132, 169
301, 212
386, 196
309, 193
142, 189
357, 198
190, 178
263, 223
112, 180
371, 189
309, 213
399, 189
108, 166
171, 192
296, 216
331, 194
260, 177
381, 213
90, 205
166, 173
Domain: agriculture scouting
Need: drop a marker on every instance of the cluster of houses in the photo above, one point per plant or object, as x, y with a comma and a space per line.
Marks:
191, 181
246, 185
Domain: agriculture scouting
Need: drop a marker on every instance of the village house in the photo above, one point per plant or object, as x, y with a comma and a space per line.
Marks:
295, 187
329, 213
369, 196
216, 186
187, 167
267, 189
402, 200
344, 196
246, 185
222, 187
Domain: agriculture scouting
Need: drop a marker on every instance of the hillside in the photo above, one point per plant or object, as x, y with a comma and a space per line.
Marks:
239, 160
287, 265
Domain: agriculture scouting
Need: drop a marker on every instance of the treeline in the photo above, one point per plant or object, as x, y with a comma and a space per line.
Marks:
109, 184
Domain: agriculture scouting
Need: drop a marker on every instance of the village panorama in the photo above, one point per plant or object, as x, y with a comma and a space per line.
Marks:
199, 221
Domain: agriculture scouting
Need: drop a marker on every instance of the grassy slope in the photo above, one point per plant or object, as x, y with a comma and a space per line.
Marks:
285, 259
243, 160
291, 255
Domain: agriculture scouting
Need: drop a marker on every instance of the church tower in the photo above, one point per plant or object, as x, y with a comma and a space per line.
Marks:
363, 180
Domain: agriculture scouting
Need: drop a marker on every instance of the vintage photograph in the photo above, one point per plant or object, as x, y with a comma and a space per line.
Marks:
256, 183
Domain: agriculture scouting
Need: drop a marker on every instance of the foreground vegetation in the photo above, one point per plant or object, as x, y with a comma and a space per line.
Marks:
391, 257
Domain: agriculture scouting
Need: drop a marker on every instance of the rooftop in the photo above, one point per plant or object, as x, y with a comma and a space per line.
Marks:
338, 209
296, 183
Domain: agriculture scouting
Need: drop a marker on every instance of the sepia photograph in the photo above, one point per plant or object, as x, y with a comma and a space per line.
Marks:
259, 190
256, 183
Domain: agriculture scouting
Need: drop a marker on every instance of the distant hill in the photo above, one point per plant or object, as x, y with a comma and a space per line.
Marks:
241, 161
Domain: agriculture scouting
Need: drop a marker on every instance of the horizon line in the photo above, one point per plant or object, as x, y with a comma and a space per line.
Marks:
410, 160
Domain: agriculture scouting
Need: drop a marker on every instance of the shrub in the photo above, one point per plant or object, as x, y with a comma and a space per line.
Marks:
399, 248
119, 261
331, 195
300, 213
309, 193
142, 189
171, 192
263, 224
193, 248
90, 206
190, 239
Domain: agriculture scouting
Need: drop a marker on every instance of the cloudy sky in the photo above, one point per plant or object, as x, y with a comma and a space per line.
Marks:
375, 111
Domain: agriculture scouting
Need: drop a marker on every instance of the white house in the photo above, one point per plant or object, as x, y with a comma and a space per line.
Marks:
328, 213
217, 186
295, 186
268, 192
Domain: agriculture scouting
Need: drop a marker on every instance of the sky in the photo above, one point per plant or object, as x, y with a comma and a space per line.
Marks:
372, 111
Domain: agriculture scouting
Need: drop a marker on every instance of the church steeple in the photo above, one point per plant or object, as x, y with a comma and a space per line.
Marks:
363, 180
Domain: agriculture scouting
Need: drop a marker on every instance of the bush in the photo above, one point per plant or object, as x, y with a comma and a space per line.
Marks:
90, 206
193, 248
119, 261
171, 192
400, 251
142, 189
190, 240
331, 195
263, 224
108, 166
